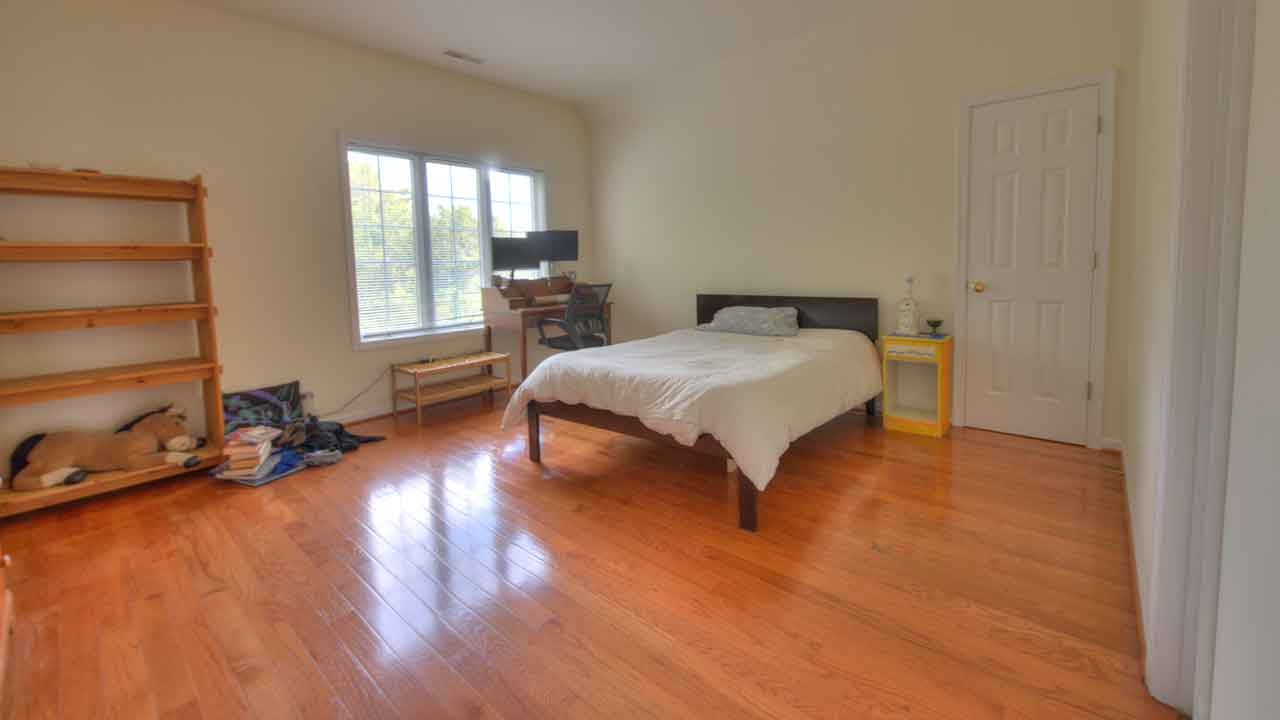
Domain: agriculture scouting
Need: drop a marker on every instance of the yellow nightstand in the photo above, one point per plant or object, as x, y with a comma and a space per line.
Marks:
917, 383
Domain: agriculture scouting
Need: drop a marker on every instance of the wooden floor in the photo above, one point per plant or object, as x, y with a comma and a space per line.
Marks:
440, 574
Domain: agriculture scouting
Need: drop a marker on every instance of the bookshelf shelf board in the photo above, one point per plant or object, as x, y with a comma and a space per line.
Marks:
13, 502
94, 317
41, 388
59, 182
89, 252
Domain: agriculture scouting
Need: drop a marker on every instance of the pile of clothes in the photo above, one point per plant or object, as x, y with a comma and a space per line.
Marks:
302, 444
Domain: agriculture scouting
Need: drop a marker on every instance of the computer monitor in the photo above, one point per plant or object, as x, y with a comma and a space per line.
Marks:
514, 253
555, 245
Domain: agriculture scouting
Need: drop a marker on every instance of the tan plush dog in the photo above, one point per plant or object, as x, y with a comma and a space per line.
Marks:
156, 438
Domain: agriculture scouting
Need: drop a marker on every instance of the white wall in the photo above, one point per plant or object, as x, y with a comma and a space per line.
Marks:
1145, 347
1248, 645
826, 163
165, 88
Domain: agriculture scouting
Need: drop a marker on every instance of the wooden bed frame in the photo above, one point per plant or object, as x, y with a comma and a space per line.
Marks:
861, 314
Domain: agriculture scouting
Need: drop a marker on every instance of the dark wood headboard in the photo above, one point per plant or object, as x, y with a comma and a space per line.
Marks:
861, 314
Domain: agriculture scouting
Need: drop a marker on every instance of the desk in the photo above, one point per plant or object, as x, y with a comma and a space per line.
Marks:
521, 320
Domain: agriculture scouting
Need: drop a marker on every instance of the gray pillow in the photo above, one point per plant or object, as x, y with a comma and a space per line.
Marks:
778, 321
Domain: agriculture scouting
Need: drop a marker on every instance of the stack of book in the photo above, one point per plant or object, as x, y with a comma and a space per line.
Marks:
248, 454
252, 435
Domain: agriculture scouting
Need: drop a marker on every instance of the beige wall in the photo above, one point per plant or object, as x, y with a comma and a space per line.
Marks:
165, 88
1147, 345
826, 164
1248, 647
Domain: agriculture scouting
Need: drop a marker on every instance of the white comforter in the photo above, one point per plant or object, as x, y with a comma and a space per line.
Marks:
755, 395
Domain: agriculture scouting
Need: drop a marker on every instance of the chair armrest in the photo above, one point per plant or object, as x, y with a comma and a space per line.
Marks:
544, 322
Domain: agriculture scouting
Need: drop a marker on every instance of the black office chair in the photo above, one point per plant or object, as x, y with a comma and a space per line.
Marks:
584, 324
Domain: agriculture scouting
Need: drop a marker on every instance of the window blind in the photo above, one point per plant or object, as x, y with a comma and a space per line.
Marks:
384, 244
453, 202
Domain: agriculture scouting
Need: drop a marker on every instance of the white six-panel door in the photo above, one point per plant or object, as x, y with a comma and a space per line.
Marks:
1033, 184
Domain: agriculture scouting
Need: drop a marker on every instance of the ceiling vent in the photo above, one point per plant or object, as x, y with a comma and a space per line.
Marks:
464, 57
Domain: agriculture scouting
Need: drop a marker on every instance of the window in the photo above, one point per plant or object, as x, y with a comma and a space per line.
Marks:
453, 205
511, 203
419, 229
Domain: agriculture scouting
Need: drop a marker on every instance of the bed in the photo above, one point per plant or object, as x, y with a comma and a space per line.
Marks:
743, 398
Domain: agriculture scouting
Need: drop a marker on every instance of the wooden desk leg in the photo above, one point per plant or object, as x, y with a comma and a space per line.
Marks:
524, 351
417, 398
507, 360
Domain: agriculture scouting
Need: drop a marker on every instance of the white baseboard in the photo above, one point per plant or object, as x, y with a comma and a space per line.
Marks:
1112, 444
354, 416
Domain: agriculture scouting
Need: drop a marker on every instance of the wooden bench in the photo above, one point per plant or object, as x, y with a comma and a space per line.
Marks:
420, 394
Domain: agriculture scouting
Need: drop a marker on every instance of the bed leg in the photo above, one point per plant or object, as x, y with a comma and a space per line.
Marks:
535, 434
871, 409
747, 495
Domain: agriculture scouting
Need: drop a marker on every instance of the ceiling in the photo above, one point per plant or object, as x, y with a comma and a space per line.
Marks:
577, 50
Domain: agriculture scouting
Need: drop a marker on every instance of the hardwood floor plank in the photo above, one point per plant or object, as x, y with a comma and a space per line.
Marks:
264, 653
748, 643
484, 623
335, 555
80, 655
566, 644
217, 691
440, 574
127, 688
31, 685
171, 685
462, 643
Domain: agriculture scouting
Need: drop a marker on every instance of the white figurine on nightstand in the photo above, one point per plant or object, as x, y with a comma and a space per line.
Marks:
908, 311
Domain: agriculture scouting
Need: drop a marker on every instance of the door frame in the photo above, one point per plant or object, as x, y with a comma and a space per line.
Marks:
1181, 597
1106, 84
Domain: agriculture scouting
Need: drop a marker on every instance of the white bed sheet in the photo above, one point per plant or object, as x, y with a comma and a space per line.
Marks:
755, 395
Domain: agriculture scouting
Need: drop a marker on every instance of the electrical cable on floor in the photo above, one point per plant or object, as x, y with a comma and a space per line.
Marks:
358, 395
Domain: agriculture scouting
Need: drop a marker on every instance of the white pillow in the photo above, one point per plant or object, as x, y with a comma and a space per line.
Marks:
774, 322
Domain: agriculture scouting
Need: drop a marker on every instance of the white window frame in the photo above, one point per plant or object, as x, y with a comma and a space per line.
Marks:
418, 160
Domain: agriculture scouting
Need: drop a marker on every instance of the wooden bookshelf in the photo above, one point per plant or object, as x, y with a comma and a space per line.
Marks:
94, 381
95, 317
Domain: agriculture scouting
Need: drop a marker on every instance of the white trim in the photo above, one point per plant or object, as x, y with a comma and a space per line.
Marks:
1106, 84
358, 416
1237, 89
1215, 92
419, 336
1112, 444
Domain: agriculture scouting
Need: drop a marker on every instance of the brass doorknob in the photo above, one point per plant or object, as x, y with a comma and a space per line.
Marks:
977, 286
